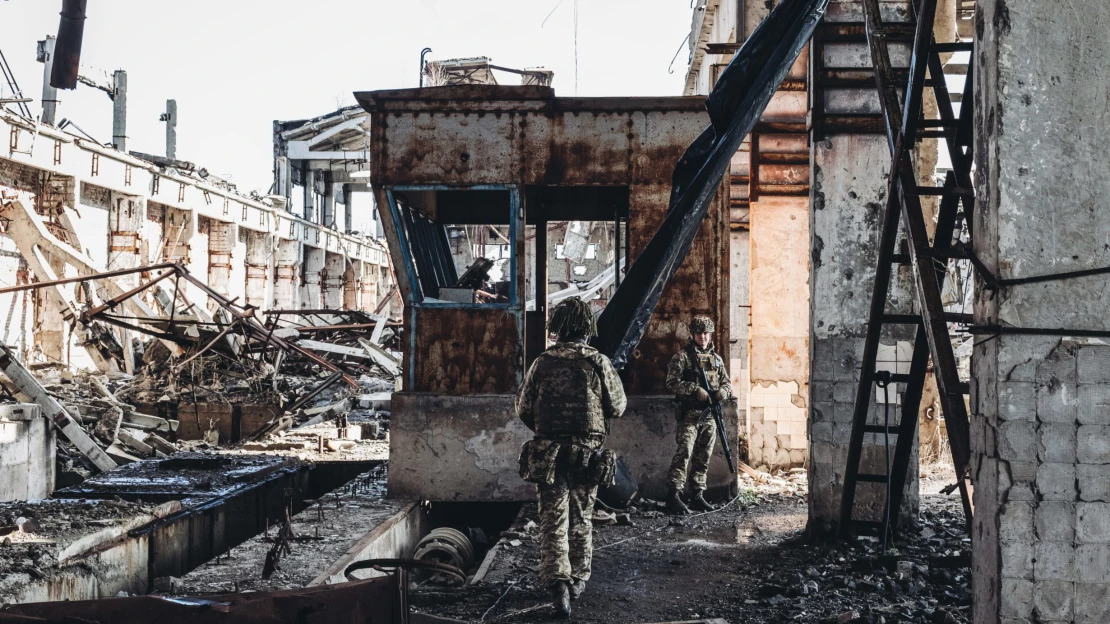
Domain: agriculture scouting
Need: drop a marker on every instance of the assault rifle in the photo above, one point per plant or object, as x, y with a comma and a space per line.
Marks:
718, 417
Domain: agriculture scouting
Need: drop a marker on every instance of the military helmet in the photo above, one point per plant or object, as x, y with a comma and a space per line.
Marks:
573, 318
701, 324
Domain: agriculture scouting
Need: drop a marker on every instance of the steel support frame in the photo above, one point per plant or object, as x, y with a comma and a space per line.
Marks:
903, 199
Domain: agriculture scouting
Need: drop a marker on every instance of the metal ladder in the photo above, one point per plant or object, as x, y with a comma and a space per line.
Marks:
904, 127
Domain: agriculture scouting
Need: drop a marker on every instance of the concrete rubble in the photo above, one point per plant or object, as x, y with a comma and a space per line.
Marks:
270, 389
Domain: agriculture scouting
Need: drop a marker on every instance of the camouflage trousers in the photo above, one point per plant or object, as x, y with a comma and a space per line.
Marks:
566, 532
695, 436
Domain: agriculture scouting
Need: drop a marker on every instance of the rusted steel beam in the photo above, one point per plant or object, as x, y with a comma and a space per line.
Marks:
257, 331
784, 158
856, 77
354, 326
784, 189
211, 343
856, 32
780, 127
853, 124
114, 301
85, 278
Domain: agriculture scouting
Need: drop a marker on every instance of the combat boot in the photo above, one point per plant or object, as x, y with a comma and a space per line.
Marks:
577, 588
698, 502
560, 599
675, 505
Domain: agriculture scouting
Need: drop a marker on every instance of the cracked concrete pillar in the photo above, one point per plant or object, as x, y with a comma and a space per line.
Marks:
287, 263
848, 195
259, 260
1040, 425
221, 243
312, 287
331, 281
352, 285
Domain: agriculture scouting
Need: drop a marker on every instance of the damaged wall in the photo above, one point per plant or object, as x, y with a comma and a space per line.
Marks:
462, 448
1040, 423
779, 341
27, 450
848, 193
124, 212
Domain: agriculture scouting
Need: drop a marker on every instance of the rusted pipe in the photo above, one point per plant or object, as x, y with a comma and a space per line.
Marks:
67, 49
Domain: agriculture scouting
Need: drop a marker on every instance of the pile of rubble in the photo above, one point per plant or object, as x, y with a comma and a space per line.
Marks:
231, 377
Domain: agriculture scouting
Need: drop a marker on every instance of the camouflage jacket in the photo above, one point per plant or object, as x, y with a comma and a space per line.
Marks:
682, 377
570, 390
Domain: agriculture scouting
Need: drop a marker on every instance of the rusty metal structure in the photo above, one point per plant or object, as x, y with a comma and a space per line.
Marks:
904, 126
513, 159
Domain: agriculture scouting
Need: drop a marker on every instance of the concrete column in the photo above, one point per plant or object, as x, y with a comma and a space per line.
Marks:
119, 111
312, 288
259, 260
739, 321
222, 238
1040, 424
287, 263
348, 213
125, 218
309, 180
352, 285
370, 288
848, 195
331, 281
49, 93
327, 213
779, 296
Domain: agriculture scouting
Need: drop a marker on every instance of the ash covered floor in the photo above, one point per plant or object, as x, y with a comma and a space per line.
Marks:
744, 563
319, 536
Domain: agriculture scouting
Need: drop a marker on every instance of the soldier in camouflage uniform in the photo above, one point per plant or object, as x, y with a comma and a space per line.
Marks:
569, 394
696, 431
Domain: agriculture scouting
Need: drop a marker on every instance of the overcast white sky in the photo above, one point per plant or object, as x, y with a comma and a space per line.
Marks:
234, 66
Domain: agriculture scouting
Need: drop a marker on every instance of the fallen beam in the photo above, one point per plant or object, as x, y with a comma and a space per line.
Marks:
53, 410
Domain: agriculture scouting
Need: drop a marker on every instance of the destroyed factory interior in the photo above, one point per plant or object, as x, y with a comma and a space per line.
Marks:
809, 326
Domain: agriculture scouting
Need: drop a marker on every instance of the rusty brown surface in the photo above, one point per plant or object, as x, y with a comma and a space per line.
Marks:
464, 136
699, 286
467, 351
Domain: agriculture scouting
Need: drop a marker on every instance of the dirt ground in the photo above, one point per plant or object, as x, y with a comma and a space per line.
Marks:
744, 563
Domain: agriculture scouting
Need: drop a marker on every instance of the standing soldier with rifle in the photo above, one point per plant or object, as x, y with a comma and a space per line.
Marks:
697, 377
570, 393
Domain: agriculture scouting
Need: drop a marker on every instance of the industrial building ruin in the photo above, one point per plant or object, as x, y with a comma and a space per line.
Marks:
304, 404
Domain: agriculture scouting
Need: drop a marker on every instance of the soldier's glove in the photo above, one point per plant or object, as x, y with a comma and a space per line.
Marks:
722, 394
701, 396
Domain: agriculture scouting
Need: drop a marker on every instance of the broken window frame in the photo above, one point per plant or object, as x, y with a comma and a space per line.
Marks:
408, 264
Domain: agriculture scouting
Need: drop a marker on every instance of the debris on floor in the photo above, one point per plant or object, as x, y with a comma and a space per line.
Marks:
297, 380
295, 551
746, 562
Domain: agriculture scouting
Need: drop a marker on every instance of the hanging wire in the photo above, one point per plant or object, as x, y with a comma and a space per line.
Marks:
559, 4
576, 47
670, 68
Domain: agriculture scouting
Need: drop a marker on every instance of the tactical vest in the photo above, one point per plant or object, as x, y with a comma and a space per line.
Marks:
568, 397
707, 362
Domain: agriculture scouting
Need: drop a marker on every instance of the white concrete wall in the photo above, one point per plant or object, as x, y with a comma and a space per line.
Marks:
1040, 423
27, 451
89, 182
